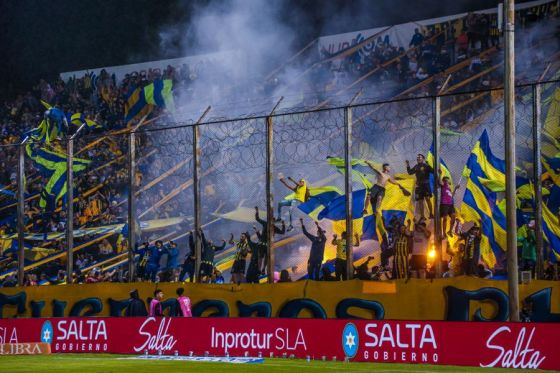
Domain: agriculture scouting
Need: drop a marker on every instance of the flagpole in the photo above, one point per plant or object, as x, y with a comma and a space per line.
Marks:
509, 116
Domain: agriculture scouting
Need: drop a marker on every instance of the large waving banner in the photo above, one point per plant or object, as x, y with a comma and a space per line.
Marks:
504, 345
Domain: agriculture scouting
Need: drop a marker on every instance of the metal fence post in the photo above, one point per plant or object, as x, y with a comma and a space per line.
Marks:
70, 205
436, 126
348, 191
509, 135
196, 196
70, 210
21, 212
537, 172
131, 203
269, 199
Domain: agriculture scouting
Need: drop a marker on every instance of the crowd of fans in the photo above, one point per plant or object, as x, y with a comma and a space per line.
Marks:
102, 189
431, 52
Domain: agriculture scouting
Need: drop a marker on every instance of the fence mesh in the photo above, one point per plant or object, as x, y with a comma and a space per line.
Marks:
233, 176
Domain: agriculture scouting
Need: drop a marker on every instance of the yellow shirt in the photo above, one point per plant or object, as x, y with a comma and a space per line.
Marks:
340, 249
300, 193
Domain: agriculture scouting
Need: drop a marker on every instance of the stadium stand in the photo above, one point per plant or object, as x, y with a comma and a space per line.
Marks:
460, 58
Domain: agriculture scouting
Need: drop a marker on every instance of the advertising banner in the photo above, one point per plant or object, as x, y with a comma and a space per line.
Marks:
507, 345
455, 299
401, 35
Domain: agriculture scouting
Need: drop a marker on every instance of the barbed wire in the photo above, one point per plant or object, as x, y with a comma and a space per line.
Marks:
385, 132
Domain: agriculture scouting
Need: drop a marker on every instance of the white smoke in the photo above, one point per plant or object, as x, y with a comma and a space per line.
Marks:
252, 40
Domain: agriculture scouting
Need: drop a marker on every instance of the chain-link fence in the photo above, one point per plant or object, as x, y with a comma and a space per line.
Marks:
195, 187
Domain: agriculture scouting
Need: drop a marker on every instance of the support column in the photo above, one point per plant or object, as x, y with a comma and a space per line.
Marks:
348, 191
509, 114
537, 172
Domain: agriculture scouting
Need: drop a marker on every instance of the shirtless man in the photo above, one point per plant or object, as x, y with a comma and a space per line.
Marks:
377, 191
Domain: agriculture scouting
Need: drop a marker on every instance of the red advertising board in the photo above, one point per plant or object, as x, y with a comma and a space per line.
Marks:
482, 344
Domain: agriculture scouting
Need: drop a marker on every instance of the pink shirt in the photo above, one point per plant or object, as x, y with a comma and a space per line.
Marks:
155, 308
185, 304
446, 194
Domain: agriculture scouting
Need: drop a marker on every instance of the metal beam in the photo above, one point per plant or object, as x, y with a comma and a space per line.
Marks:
509, 135
348, 191
537, 172
21, 212
131, 203
436, 126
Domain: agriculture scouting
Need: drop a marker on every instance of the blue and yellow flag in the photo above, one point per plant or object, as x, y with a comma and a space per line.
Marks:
52, 165
51, 126
362, 224
443, 167
141, 101
319, 198
480, 202
553, 199
368, 225
360, 169
552, 168
551, 230
551, 127
77, 119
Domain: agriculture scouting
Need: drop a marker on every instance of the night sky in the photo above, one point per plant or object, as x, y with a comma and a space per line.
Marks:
41, 38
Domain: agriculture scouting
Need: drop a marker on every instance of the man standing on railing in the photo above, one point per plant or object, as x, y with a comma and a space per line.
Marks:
446, 205
422, 191
301, 194
377, 191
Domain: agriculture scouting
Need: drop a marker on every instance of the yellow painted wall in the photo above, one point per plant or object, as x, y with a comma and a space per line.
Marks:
414, 300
